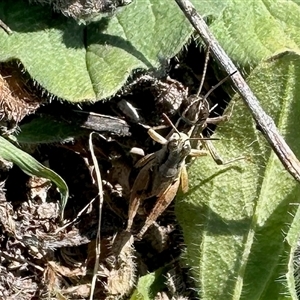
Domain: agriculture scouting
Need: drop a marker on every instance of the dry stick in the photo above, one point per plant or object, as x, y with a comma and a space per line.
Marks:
5, 27
265, 123
100, 195
21, 260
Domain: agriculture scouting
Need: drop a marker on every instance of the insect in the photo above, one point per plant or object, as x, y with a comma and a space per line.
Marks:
163, 171
195, 112
161, 174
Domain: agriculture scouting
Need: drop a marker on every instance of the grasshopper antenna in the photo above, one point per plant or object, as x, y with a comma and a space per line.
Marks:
201, 85
204, 139
204, 70
217, 85
176, 130
202, 99
199, 98
167, 119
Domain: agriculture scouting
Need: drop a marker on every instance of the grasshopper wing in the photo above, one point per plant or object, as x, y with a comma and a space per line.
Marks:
161, 204
141, 184
145, 160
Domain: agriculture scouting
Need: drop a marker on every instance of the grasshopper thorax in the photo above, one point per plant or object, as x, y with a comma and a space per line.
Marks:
178, 148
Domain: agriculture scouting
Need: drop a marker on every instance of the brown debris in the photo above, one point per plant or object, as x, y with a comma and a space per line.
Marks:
16, 99
119, 268
42, 258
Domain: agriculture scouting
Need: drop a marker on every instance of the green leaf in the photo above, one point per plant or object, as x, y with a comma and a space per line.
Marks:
250, 31
149, 285
47, 130
32, 167
241, 221
88, 63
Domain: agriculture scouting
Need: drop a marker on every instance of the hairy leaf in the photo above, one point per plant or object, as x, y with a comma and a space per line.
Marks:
246, 213
149, 285
47, 130
89, 63
255, 30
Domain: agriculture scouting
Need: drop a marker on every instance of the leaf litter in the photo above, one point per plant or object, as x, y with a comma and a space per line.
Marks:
42, 258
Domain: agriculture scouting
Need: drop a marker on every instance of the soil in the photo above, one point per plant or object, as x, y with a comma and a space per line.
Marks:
41, 257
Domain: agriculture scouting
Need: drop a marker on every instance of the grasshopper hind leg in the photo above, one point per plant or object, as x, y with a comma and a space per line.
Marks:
140, 185
161, 204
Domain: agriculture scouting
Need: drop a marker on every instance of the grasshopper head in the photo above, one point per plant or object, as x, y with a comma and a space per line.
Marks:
179, 143
175, 151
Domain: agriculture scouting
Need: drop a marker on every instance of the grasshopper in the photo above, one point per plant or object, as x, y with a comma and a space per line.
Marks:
161, 174
162, 171
195, 115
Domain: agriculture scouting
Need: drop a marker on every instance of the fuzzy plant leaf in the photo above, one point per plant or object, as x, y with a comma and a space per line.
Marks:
149, 285
32, 167
91, 62
241, 221
47, 130
251, 31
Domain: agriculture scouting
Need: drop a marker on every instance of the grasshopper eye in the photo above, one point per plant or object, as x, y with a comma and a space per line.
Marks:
186, 148
173, 144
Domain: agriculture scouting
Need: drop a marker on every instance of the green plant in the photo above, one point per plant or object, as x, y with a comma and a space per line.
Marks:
240, 222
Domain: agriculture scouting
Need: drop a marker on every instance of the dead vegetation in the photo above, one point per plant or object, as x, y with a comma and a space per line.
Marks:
44, 259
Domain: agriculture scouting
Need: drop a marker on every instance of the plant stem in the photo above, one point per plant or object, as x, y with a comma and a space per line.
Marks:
264, 122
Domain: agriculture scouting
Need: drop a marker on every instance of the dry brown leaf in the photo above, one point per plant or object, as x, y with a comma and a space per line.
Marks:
16, 100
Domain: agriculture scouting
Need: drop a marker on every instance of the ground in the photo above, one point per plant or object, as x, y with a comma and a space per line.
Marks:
43, 258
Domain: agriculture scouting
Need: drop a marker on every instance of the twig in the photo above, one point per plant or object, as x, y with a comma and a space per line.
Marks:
77, 217
265, 123
100, 194
5, 27
20, 260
